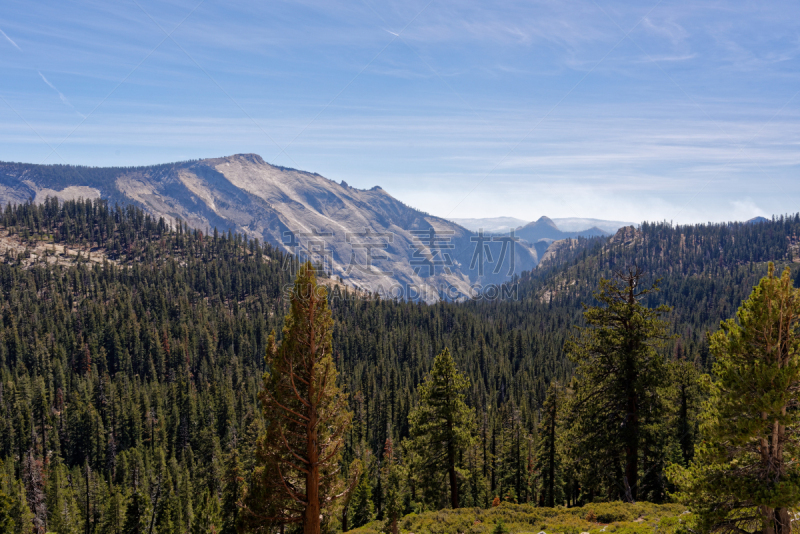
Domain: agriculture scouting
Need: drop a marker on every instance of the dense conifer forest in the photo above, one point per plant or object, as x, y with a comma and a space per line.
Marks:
131, 373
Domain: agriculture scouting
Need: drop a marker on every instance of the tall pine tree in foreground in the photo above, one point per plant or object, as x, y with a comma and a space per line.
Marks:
618, 377
745, 476
442, 425
361, 504
393, 488
548, 461
306, 415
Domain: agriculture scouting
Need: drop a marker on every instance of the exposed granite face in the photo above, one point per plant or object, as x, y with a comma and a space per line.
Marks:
626, 235
367, 238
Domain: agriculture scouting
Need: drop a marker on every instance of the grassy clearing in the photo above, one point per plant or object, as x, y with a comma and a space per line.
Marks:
616, 517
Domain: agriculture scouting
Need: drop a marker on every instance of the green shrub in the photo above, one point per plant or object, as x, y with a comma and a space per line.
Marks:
616, 517
500, 528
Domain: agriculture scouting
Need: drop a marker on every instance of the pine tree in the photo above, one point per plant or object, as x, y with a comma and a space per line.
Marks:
356, 467
306, 413
208, 518
475, 487
20, 513
265, 505
232, 491
393, 489
744, 477
34, 489
166, 509
510, 453
6, 520
63, 514
114, 514
137, 514
442, 425
687, 395
619, 374
174, 327
547, 455
362, 509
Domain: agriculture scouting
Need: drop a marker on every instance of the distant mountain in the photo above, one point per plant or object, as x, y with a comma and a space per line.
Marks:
366, 237
755, 220
577, 224
493, 225
566, 224
546, 229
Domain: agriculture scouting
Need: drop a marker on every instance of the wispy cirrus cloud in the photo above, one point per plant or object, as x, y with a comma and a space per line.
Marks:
10, 40
698, 92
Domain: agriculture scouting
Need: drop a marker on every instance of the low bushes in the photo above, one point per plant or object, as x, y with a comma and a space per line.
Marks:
614, 517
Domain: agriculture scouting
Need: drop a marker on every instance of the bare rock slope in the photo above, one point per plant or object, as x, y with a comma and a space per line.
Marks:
369, 239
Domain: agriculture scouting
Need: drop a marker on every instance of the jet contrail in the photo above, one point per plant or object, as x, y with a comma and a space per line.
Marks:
11, 41
60, 94
395, 34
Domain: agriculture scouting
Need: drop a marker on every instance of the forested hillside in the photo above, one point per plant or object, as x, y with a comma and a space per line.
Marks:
512, 349
132, 374
129, 383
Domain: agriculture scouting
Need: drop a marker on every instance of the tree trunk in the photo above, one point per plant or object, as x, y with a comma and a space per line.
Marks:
783, 522
776, 520
519, 467
451, 461
769, 520
44, 436
88, 480
631, 471
632, 423
485, 463
311, 521
632, 451
551, 453
451, 466
683, 417
494, 459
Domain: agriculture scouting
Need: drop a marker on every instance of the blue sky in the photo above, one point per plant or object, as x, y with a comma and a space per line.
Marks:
673, 110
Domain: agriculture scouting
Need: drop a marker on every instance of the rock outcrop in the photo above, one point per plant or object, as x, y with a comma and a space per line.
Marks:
366, 238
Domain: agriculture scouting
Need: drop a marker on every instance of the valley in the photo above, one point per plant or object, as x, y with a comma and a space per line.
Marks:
399, 267
147, 367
